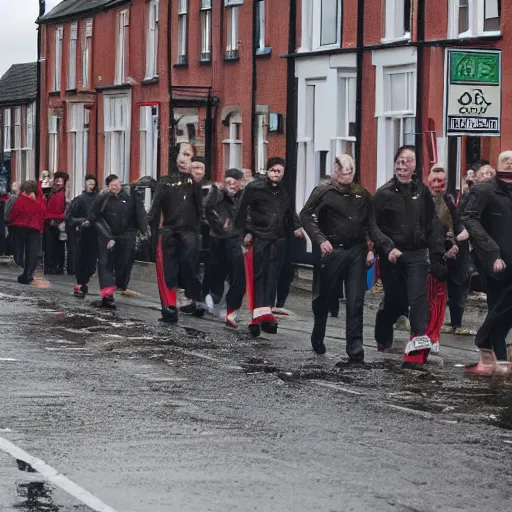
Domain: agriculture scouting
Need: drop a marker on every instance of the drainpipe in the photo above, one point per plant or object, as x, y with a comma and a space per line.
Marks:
359, 85
254, 86
420, 31
290, 181
170, 140
37, 159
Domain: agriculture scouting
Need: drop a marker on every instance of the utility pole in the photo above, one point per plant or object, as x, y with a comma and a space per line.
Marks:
42, 10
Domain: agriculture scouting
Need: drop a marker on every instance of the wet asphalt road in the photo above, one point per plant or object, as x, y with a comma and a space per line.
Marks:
151, 418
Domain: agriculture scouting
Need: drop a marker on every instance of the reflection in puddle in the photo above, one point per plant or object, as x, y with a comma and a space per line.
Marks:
37, 497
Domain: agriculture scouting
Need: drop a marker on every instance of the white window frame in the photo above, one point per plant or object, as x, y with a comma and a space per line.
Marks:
232, 145
17, 128
86, 54
394, 22
312, 26
262, 24
152, 39
7, 130
53, 143
148, 140
78, 146
29, 128
232, 30
476, 14
117, 129
57, 67
206, 30
122, 50
346, 109
73, 46
261, 141
182, 31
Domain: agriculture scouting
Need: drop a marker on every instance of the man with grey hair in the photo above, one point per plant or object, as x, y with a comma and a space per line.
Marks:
486, 217
338, 217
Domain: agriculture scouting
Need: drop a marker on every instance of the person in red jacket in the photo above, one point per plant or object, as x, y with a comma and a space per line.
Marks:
54, 245
27, 216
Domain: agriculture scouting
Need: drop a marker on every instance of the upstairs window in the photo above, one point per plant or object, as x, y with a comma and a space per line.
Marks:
57, 67
182, 31
345, 139
321, 24
206, 30
233, 143
73, 37
260, 26
86, 54
232, 28
474, 18
397, 20
152, 39
7, 130
122, 47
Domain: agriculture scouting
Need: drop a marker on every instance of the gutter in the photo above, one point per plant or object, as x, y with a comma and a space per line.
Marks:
85, 13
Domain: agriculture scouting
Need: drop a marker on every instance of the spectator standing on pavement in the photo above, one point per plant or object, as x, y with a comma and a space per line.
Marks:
487, 215
227, 260
27, 216
117, 216
405, 213
339, 217
86, 237
265, 216
55, 233
177, 211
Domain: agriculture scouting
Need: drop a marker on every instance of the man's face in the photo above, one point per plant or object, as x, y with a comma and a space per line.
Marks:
485, 173
342, 174
59, 183
405, 166
275, 174
15, 188
115, 186
197, 171
470, 176
232, 186
507, 164
89, 185
437, 183
184, 158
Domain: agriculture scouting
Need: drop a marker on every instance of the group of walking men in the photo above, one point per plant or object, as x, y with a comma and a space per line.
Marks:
421, 235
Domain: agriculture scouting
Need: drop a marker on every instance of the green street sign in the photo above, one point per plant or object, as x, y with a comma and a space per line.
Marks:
474, 67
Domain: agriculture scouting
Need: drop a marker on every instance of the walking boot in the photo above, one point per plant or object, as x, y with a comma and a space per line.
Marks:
484, 367
417, 351
170, 314
255, 330
23, 279
356, 358
106, 302
269, 327
199, 309
318, 335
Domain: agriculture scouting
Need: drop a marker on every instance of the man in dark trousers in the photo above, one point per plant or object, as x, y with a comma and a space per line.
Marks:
488, 217
405, 213
177, 210
265, 217
86, 237
339, 218
54, 239
227, 260
117, 216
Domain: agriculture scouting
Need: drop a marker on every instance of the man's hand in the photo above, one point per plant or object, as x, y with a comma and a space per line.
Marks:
227, 225
85, 223
452, 253
111, 244
219, 185
463, 236
246, 243
394, 255
299, 233
499, 266
370, 258
326, 248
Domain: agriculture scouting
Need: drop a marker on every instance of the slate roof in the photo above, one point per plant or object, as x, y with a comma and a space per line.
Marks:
72, 8
19, 84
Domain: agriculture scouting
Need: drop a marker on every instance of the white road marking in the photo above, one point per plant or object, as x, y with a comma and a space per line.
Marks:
7, 359
416, 412
53, 476
336, 387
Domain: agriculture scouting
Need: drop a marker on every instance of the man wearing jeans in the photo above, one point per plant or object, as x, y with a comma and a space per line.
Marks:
406, 213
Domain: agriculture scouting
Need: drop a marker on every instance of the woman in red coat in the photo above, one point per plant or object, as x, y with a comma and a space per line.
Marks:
27, 216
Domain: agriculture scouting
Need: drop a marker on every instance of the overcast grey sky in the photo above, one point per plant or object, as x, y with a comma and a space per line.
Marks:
18, 36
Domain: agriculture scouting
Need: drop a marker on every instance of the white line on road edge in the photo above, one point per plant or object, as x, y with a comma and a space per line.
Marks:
54, 477
336, 387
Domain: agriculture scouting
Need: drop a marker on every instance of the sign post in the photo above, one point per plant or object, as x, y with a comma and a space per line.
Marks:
473, 93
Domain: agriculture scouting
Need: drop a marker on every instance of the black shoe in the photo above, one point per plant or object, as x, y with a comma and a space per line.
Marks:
199, 311
269, 327
189, 309
23, 279
318, 335
357, 358
255, 330
105, 302
170, 314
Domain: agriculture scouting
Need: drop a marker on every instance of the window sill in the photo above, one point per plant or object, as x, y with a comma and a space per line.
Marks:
206, 58
54, 93
483, 35
402, 39
182, 60
150, 81
262, 52
72, 91
232, 55
180, 65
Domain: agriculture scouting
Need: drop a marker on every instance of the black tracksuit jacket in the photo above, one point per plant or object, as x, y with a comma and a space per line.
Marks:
219, 206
